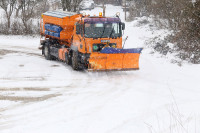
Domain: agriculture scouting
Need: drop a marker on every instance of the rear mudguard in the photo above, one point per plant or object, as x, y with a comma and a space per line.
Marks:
115, 59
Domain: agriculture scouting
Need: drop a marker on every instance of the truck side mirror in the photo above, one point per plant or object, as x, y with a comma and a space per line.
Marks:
78, 28
123, 26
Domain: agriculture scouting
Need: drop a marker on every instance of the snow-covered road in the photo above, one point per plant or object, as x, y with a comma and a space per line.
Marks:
40, 96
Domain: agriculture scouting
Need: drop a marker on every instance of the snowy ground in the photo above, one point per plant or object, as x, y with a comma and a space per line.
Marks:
40, 96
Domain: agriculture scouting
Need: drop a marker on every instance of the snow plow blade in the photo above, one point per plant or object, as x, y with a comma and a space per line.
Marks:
115, 59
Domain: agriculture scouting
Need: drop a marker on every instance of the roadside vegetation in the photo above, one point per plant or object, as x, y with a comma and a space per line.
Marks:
180, 16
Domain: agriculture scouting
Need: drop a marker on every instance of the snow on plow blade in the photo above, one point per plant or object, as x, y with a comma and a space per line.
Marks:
115, 59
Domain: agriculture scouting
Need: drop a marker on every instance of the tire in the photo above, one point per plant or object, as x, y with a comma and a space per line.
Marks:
75, 63
46, 52
68, 59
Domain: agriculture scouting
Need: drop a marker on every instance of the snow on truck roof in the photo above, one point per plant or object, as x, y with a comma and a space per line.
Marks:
59, 14
102, 20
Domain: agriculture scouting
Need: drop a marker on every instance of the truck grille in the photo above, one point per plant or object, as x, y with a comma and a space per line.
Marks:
98, 47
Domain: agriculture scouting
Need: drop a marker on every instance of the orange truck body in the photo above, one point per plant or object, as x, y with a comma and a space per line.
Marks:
80, 47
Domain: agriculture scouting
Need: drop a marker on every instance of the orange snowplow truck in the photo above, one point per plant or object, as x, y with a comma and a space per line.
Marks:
86, 42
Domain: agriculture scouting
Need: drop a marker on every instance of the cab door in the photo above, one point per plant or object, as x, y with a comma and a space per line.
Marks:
78, 41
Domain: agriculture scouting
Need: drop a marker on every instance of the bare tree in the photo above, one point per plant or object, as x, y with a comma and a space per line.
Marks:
66, 5
42, 7
55, 5
8, 7
76, 4
70, 5
18, 7
27, 12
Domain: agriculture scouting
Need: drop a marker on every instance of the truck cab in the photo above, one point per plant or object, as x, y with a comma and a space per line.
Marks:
92, 34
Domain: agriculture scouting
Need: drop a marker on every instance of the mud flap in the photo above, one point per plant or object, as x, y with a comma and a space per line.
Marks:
115, 59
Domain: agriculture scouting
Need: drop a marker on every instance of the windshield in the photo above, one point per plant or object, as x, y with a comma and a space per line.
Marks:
102, 30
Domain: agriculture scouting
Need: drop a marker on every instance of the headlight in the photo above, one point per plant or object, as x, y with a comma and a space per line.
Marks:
113, 45
95, 48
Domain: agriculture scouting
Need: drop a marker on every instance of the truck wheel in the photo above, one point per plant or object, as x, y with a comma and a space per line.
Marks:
47, 52
68, 59
75, 64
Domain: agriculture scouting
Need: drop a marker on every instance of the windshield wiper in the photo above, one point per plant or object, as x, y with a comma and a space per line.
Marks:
103, 31
111, 32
